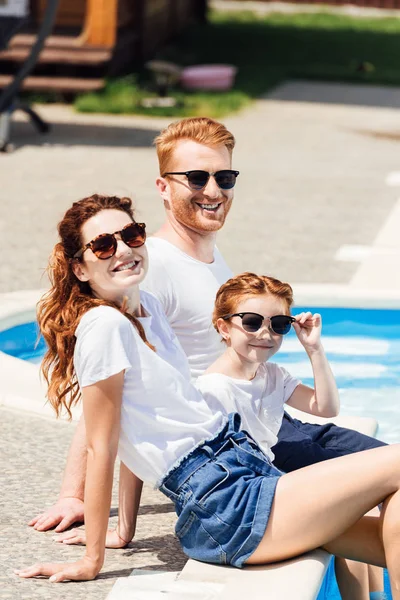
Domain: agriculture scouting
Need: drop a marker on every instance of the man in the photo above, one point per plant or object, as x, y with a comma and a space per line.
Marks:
186, 269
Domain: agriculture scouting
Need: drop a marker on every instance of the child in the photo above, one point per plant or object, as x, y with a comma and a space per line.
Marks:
252, 314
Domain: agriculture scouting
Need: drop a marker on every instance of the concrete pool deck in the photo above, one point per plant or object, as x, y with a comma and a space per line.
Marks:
316, 203
313, 176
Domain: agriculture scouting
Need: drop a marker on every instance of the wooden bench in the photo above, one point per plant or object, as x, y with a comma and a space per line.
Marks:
92, 49
63, 64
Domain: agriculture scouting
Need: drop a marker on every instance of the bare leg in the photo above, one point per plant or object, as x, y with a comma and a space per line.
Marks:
324, 504
355, 579
375, 578
352, 579
375, 574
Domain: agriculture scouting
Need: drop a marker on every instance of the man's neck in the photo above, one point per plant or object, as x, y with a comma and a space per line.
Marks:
198, 246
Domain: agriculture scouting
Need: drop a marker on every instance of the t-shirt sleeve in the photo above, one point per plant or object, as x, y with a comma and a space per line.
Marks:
289, 383
105, 345
158, 282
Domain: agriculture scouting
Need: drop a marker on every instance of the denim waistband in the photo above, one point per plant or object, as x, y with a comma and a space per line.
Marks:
204, 453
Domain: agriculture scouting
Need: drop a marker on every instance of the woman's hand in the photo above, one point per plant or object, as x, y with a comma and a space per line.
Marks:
82, 570
78, 536
308, 330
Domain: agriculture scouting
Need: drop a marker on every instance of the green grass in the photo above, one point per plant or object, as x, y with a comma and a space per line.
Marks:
266, 49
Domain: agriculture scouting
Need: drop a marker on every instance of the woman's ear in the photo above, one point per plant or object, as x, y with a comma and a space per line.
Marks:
223, 328
79, 271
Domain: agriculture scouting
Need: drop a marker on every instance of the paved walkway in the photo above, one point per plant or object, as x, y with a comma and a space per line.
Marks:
312, 177
33, 457
315, 163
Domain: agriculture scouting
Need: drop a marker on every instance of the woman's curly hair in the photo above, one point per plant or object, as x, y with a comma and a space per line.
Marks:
61, 308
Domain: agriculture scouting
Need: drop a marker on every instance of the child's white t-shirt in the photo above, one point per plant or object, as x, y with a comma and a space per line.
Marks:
259, 401
163, 417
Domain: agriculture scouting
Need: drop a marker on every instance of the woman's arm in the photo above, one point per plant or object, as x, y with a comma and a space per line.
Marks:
130, 491
102, 413
101, 408
323, 400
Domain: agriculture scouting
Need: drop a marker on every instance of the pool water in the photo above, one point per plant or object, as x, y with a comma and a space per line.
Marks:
330, 591
22, 341
363, 347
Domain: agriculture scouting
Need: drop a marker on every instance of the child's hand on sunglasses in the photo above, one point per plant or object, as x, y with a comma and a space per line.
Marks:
308, 329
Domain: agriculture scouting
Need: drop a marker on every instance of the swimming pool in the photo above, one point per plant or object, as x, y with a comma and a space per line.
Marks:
363, 346
22, 341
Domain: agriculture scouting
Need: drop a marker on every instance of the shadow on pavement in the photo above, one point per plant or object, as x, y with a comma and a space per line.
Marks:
165, 547
392, 136
337, 93
153, 509
75, 134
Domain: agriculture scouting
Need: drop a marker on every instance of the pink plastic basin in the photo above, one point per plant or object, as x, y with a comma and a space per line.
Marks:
208, 77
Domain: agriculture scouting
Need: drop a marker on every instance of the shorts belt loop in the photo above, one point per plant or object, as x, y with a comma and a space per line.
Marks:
208, 451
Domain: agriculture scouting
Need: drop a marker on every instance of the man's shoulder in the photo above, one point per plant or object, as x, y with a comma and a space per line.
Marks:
159, 248
161, 251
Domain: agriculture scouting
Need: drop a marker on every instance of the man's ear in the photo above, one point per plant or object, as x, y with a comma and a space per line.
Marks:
163, 188
79, 271
223, 328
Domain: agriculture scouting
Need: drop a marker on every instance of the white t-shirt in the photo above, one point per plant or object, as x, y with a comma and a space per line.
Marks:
186, 289
163, 417
259, 401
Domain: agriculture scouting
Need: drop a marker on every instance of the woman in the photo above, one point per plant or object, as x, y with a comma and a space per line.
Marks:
112, 345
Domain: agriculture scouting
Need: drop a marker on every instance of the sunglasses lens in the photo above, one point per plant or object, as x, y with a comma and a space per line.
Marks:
251, 323
281, 324
225, 179
198, 179
104, 246
134, 235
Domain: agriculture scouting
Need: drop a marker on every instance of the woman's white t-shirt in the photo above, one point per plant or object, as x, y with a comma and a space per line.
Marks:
259, 401
163, 417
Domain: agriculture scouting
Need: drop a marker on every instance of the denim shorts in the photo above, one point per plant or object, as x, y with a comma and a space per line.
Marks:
223, 493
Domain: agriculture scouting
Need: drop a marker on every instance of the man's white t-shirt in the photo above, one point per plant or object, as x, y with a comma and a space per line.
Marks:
163, 416
186, 289
259, 401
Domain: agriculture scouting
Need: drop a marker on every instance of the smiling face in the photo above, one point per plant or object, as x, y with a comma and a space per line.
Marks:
259, 346
114, 278
203, 211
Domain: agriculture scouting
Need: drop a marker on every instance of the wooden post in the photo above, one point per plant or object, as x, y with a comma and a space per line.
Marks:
100, 27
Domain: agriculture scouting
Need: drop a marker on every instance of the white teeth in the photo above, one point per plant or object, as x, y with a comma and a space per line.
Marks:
126, 266
209, 206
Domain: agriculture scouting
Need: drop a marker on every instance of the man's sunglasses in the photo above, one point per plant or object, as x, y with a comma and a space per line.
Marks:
197, 180
105, 245
252, 322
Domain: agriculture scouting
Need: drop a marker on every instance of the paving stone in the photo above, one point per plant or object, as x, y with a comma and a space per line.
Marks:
313, 159
33, 453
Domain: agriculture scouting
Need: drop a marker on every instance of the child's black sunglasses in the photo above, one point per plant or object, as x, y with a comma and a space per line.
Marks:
252, 322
